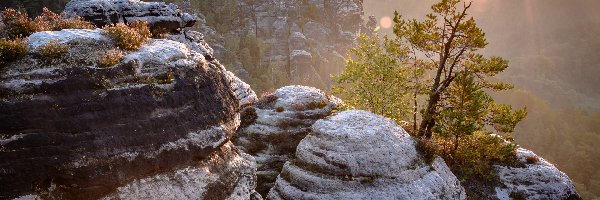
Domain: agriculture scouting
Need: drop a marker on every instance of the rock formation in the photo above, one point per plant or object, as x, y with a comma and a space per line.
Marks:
167, 121
159, 15
537, 180
305, 39
359, 155
272, 128
157, 125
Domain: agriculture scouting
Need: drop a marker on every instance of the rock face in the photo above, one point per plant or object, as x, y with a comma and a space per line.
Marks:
538, 180
359, 155
272, 128
155, 126
159, 15
306, 39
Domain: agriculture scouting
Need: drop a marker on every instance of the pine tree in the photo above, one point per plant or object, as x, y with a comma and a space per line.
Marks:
449, 40
377, 78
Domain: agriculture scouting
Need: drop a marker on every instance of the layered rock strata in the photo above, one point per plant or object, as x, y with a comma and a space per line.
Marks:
274, 125
537, 180
157, 125
306, 40
360, 155
159, 15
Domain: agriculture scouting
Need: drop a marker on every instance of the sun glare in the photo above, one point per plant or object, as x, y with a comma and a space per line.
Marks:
385, 22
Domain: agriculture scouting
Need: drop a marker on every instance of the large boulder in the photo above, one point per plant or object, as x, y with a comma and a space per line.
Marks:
360, 155
274, 125
155, 126
537, 180
159, 15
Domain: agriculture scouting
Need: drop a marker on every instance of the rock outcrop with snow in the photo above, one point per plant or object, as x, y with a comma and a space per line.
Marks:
360, 155
274, 125
68, 36
155, 126
536, 181
159, 15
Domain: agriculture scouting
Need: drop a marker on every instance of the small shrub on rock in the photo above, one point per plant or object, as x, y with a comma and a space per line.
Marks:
532, 160
11, 50
267, 99
129, 37
54, 22
18, 24
110, 58
54, 49
475, 156
279, 109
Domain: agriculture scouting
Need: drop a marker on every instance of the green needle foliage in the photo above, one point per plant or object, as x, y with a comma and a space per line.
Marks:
377, 78
435, 62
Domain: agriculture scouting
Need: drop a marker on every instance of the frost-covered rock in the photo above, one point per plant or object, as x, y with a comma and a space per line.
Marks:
159, 15
536, 181
205, 180
242, 90
155, 126
274, 125
360, 155
67, 36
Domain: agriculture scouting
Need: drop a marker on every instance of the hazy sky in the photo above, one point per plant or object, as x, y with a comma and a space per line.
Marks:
549, 36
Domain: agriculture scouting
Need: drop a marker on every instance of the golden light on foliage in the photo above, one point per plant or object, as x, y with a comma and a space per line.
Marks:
385, 22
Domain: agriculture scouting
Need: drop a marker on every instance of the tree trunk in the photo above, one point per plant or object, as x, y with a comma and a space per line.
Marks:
428, 117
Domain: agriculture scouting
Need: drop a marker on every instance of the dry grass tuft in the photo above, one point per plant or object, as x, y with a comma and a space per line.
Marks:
128, 37
110, 58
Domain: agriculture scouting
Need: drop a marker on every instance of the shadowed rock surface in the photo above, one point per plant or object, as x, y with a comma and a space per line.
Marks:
273, 126
159, 15
156, 125
360, 155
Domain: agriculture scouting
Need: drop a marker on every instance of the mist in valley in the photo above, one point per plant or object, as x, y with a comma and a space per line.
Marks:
552, 47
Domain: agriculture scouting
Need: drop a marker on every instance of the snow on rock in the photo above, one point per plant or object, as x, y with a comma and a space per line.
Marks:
360, 155
67, 36
163, 53
159, 15
274, 125
297, 97
241, 89
202, 181
539, 180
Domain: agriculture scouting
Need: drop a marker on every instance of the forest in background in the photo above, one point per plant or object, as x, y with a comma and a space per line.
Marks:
552, 47
552, 50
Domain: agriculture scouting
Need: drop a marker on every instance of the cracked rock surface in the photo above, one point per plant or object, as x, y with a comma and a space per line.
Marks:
274, 125
360, 155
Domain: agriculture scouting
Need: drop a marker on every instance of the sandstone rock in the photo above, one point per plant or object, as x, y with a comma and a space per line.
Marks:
159, 15
210, 178
273, 126
538, 180
359, 155
67, 36
153, 123
286, 28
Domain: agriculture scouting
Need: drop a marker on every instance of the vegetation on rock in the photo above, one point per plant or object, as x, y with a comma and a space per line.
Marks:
53, 49
110, 58
128, 36
18, 24
435, 64
11, 50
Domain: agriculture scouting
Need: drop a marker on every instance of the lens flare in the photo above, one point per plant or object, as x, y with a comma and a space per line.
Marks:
385, 22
